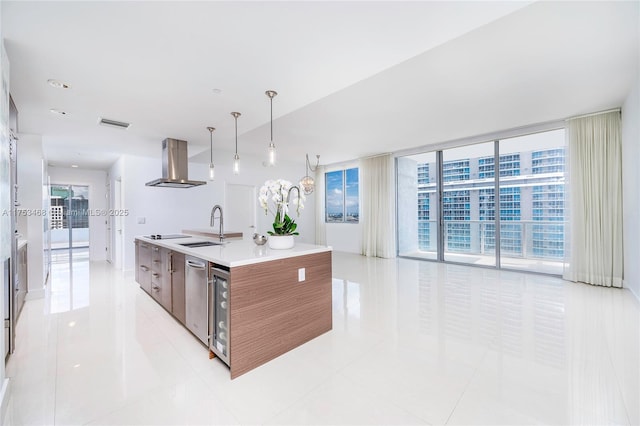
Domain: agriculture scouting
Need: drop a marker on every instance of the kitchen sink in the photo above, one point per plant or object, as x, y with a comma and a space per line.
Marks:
201, 244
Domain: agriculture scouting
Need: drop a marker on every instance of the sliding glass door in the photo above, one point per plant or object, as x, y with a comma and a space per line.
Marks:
467, 204
69, 221
418, 206
448, 210
532, 234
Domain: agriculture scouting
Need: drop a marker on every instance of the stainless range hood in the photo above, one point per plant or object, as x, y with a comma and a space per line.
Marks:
175, 166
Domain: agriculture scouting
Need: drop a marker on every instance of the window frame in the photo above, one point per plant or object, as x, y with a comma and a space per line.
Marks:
343, 171
547, 163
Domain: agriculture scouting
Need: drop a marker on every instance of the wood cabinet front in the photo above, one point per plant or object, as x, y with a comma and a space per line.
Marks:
272, 311
143, 265
161, 276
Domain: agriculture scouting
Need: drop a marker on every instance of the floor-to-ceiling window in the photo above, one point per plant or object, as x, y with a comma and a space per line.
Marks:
467, 191
540, 226
417, 206
527, 173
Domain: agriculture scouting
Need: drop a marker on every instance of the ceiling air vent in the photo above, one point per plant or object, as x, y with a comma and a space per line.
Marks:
114, 123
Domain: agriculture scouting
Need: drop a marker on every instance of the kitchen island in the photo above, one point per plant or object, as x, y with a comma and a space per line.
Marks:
274, 300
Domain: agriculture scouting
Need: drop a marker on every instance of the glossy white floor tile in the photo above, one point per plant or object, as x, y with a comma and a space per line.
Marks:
413, 342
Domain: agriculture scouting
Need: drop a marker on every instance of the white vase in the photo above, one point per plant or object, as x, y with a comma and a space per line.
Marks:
281, 242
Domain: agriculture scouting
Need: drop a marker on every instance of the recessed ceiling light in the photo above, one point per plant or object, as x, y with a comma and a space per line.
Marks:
75, 166
58, 84
72, 323
217, 91
57, 111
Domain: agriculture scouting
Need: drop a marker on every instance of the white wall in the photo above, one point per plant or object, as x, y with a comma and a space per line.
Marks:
96, 180
170, 210
31, 226
631, 189
345, 237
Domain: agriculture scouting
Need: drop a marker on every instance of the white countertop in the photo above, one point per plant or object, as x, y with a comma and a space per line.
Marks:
235, 252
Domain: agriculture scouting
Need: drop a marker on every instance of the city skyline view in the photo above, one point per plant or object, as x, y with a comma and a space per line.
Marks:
342, 196
530, 210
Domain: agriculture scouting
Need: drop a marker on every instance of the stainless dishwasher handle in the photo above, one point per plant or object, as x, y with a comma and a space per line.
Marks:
195, 265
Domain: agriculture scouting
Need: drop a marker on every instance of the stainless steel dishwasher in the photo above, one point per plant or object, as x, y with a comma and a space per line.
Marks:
197, 297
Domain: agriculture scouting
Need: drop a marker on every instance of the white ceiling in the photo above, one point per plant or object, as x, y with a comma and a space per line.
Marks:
354, 78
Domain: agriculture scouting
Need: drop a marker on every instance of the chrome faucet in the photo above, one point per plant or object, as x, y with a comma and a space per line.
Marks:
289, 196
213, 211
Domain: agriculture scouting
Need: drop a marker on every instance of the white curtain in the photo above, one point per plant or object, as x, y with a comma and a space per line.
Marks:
377, 206
321, 229
595, 177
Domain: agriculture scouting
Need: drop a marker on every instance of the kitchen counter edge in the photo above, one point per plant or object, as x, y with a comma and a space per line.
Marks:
237, 252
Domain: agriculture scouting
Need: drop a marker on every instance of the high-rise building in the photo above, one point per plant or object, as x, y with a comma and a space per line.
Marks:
532, 210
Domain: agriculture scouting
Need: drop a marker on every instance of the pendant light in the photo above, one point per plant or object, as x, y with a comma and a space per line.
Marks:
272, 148
236, 158
307, 183
212, 172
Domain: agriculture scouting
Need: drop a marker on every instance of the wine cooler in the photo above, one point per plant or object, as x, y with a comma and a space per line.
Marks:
219, 341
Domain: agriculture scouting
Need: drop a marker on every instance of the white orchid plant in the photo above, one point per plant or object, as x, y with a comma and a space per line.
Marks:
279, 192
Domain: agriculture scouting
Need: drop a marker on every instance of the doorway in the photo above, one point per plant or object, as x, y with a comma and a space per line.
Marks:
107, 222
241, 209
69, 222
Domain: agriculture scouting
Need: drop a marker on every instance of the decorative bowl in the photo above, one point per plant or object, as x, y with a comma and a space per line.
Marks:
260, 239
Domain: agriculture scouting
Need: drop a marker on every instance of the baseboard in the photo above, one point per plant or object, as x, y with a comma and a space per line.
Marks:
35, 294
637, 296
5, 393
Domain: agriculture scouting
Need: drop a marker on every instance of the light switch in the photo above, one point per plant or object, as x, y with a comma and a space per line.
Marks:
301, 274
142, 220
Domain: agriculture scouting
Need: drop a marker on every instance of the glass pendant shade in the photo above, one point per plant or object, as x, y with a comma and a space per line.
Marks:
236, 164
212, 172
272, 154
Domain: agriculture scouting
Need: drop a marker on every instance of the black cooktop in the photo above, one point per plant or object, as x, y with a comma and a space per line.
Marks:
167, 236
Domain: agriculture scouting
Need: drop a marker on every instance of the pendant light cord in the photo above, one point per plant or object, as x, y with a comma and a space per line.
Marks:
271, 102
